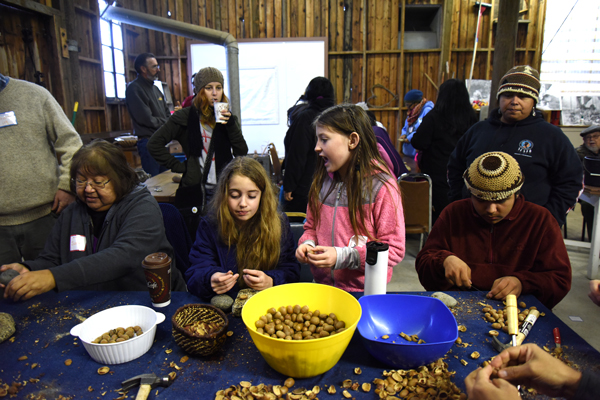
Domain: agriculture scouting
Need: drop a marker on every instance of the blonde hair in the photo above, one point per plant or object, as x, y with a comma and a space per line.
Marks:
205, 108
258, 241
365, 162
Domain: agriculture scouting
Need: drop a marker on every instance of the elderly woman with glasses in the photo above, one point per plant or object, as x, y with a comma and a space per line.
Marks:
98, 242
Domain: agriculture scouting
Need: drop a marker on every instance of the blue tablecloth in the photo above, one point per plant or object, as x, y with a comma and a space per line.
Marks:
44, 322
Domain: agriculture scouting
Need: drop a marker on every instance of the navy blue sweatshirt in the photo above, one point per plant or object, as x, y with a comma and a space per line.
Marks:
552, 170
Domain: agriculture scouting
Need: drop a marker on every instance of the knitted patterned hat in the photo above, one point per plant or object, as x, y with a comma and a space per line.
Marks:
493, 176
521, 79
206, 76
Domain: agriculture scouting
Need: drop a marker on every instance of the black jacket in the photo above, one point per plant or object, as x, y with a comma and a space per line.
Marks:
147, 107
133, 228
300, 156
228, 142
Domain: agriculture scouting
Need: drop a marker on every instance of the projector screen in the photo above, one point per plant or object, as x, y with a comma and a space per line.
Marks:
273, 75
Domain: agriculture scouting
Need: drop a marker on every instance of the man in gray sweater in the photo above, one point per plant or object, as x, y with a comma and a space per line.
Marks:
38, 142
147, 108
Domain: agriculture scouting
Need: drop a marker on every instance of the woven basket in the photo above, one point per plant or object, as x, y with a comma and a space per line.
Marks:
195, 344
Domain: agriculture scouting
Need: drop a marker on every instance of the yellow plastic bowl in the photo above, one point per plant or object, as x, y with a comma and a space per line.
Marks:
303, 358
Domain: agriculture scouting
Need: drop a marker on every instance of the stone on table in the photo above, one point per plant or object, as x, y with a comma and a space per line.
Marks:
241, 299
7, 326
448, 300
222, 302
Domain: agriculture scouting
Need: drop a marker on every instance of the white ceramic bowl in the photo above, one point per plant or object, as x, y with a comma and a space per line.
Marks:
112, 318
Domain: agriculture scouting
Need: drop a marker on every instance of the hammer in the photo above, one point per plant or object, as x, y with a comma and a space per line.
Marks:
146, 382
525, 329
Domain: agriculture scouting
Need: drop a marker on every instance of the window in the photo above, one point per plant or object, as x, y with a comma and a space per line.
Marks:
571, 52
113, 60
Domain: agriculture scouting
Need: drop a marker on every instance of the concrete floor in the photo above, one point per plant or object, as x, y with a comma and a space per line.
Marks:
575, 304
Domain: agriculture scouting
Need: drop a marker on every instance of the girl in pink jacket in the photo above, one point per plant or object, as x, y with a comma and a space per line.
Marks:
353, 199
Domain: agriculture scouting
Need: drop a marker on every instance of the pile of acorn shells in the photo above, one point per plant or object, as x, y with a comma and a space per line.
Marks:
430, 381
498, 317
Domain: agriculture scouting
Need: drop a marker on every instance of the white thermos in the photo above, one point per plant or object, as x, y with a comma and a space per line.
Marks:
376, 268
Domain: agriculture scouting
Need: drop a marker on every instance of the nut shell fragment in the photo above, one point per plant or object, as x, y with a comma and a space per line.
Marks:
462, 328
493, 333
346, 394
289, 382
103, 370
68, 362
366, 387
475, 355
331, 389
357, 371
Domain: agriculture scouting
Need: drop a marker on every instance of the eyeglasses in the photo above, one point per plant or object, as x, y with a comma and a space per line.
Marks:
592, 137
94, 185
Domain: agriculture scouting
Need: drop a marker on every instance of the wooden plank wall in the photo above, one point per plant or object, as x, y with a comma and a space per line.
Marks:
366, 61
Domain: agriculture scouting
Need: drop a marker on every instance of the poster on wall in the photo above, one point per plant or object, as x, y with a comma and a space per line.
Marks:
479, 92
580, 110
550, 95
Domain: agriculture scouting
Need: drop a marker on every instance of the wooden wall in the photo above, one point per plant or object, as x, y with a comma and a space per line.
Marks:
366, 62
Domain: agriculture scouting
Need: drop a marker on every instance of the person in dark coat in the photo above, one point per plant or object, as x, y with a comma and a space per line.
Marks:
545, 155
147, 108
300, 141
100, 241
438, 134
208, 145
589, 148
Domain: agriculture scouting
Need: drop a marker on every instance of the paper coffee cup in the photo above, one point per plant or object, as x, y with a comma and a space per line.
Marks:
157, 267
219, 109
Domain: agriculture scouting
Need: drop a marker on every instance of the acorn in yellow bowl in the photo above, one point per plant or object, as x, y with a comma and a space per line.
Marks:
304, 357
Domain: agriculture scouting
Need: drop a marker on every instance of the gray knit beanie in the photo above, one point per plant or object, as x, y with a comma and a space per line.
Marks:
206, 76
493, 176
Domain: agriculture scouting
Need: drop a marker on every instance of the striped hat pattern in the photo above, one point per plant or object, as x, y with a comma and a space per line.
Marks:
493, 176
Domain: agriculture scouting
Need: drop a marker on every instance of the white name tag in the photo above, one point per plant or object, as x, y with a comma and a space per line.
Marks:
8, 119
77, 243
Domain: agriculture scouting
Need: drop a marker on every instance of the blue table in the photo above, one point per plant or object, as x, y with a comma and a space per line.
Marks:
44, 322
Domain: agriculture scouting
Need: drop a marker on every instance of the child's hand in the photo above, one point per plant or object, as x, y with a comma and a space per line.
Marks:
257, 280
223, 282
322, 257
301, 253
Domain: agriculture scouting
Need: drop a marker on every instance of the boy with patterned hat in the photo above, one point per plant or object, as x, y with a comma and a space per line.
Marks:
496, 241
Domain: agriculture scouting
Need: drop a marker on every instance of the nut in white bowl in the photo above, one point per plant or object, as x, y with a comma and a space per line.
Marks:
112, 318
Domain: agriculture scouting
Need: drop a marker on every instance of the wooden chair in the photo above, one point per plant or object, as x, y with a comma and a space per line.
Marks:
416, 201
275, 164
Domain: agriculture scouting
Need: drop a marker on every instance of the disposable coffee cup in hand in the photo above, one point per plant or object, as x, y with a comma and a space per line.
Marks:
157, 267
220, 108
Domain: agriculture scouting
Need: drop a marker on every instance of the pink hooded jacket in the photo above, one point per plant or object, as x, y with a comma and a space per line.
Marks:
386, 223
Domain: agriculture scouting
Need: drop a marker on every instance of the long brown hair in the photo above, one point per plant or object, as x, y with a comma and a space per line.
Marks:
205, 108
365, 162
258, 241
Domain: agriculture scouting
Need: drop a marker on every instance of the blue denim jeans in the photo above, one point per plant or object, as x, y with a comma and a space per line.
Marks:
149, 164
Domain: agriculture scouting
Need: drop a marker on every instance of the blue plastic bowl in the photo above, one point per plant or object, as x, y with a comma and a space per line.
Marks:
391, 314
